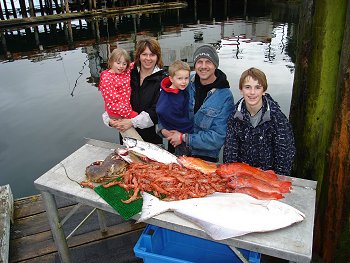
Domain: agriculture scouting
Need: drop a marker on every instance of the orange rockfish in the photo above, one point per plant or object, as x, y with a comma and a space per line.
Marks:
197, 164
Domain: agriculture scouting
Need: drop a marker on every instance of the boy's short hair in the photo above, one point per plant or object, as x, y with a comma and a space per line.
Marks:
256, 74
117, 54
176, 66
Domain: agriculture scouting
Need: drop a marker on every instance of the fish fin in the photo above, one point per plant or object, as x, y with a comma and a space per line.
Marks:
151, 206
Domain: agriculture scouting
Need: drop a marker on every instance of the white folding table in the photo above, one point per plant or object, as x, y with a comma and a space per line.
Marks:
293, 243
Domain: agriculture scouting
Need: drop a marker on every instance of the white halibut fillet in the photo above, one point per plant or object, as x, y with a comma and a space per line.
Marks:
226, 215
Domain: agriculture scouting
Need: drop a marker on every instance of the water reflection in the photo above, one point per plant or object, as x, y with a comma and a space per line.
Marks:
49, 73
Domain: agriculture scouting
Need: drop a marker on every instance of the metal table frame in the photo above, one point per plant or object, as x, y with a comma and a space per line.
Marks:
293, 243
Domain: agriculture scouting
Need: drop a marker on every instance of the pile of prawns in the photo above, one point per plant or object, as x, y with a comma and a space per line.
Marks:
169, 181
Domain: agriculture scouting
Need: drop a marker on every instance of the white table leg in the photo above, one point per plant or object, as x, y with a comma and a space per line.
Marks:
56, 228
102, 221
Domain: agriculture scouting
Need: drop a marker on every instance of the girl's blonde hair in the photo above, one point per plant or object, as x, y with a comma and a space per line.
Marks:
176, 66
256, 74
153, 46
117, 54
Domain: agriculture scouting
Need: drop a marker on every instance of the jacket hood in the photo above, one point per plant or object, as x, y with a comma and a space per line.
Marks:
268, 105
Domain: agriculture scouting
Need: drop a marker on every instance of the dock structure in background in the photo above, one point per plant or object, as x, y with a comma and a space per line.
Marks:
67, 14
78, 7
6, 217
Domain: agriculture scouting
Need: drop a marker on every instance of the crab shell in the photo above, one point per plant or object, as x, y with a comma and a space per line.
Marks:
102, 171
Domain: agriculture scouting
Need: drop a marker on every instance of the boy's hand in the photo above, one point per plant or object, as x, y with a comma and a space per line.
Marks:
175, 138
166, 133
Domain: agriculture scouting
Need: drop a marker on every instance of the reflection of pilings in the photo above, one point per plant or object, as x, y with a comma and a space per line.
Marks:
97, 28
135, 29
282, 39
245, 8
237, 51
210, 9
222, 31
195, 10
36, 36
3, 42
69, 34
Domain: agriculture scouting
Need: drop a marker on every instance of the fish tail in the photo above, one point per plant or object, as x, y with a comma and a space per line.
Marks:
151, 206
276, 196
285, 187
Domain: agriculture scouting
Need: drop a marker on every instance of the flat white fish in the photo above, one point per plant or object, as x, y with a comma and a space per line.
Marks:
150, 150
226, 215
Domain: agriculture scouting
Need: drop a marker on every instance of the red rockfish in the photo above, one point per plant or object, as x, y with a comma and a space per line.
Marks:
241, 169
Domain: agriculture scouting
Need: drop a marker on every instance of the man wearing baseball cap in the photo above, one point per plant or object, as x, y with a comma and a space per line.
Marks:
211, 103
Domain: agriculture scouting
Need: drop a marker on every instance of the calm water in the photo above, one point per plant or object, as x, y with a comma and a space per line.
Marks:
49, 74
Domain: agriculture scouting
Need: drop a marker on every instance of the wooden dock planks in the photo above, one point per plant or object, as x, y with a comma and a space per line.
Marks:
31, 238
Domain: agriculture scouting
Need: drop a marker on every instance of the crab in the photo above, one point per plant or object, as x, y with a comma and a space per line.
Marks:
104, 171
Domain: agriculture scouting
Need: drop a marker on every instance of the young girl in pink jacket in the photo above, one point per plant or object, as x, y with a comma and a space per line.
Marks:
115, 89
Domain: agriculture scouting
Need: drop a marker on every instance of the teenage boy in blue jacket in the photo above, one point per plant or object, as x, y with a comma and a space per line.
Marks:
258, 133
210, 105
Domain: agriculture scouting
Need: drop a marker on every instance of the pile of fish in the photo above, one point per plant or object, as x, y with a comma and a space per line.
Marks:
194, 189
143, 166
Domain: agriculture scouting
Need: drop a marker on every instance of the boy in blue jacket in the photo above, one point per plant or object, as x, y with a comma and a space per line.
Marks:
258, 133
172, 105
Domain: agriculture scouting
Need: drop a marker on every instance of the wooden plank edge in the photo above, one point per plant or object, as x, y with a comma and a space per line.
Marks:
6, 217
47, 245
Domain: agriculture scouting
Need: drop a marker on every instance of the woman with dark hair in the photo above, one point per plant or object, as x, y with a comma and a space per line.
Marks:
145, 81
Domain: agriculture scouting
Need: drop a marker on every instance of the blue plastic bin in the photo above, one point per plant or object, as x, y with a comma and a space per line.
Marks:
160, 245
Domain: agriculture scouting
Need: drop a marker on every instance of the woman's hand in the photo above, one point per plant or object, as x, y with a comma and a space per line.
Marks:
175, 138
123, 124
113, 123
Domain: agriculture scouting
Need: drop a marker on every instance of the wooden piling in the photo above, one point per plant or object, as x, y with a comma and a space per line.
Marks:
14, 11
22, 4
42, 12
1, 14
66, 6
7, 13
6, 217
320, 111
31, 8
